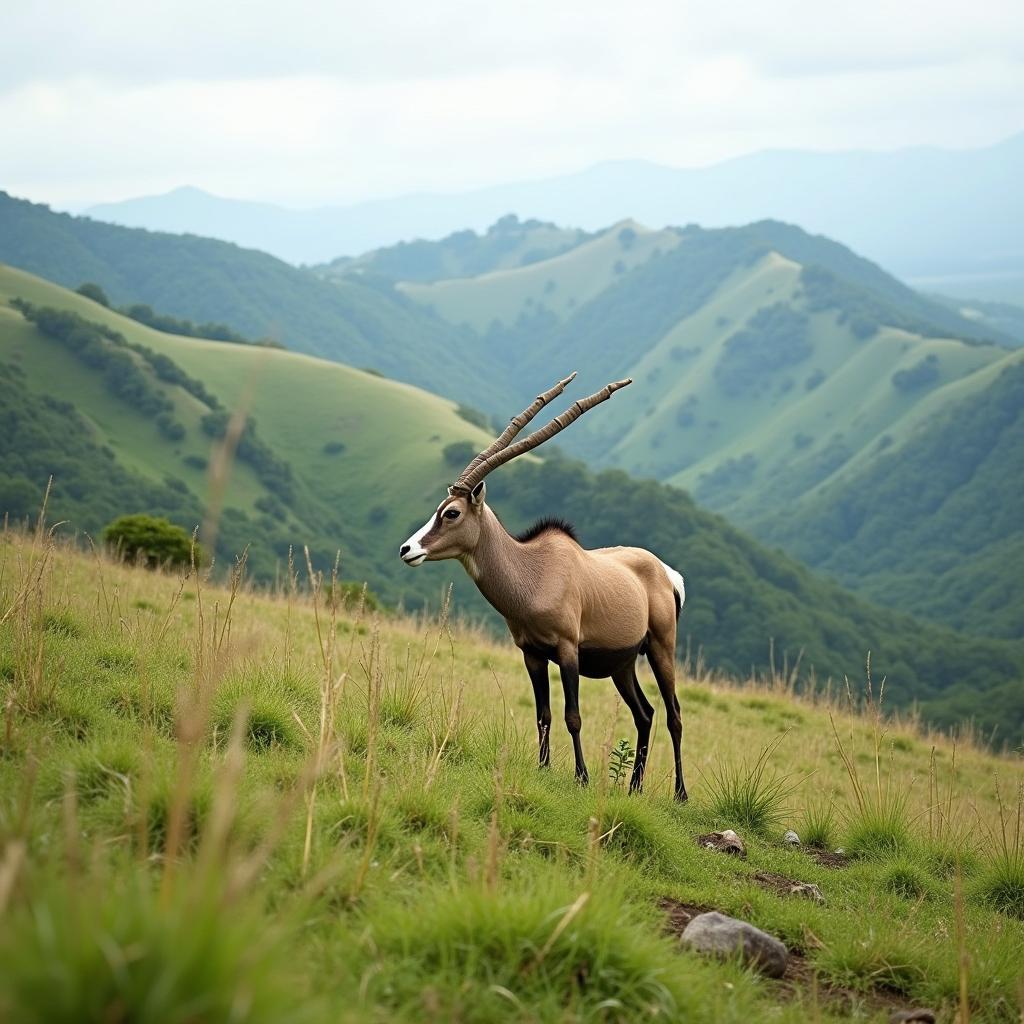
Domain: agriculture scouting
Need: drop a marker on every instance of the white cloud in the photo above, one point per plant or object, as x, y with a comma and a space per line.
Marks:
315, 101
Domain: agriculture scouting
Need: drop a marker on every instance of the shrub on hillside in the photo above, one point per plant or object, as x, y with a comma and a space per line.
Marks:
459, 453
152, 539
94, 292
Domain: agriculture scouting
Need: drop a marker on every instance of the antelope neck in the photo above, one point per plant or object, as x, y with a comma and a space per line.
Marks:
505, 571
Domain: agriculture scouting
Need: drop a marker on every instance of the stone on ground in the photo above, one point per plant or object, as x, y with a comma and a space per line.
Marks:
722, 936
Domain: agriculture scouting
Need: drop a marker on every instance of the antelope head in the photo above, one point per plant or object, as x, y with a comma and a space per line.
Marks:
454, 529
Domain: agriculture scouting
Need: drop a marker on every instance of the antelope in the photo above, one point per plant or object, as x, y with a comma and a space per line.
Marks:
590, 612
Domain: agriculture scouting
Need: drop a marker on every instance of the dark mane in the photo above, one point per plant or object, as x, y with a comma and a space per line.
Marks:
545, 524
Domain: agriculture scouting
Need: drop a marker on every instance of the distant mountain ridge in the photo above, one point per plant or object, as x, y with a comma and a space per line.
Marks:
923, 212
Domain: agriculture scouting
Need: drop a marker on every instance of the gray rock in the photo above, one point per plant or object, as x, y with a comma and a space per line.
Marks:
718, 935
792, 838
808, 890
724, 842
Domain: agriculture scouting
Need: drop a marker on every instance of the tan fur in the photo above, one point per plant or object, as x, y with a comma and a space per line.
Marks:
561, 601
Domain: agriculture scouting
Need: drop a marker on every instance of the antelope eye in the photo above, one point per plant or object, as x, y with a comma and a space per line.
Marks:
452, 513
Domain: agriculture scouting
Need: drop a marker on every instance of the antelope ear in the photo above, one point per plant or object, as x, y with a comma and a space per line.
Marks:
478, 493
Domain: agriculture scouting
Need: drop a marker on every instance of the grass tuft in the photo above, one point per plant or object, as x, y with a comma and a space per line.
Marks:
62, 623
878, 824
905, 879
876, 832
749, 795
818, 826
1001, 884
528, 955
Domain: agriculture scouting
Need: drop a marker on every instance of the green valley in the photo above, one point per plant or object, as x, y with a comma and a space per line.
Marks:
784, 382
367, 460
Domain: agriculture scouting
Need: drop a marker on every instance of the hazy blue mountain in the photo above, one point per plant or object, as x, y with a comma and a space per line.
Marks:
941, 218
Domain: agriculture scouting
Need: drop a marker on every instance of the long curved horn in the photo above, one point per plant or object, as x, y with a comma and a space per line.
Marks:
498, 454
517, 423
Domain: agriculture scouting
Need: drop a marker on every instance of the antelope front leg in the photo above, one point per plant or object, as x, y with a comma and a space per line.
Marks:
537, 666
568, 664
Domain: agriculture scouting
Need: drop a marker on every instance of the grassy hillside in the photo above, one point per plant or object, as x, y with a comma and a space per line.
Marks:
551, 287
509, 243
207, 280
902, 527
367, 463
314, 815
773, 371
359, 474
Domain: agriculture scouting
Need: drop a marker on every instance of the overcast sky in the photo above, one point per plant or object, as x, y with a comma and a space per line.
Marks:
306, 102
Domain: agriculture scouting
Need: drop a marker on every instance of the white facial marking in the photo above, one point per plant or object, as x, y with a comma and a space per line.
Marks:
412, 550
676, 579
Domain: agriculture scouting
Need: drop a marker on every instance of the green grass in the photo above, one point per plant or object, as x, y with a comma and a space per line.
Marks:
428, 870
559, 284
817, 828
750, 794
397, 458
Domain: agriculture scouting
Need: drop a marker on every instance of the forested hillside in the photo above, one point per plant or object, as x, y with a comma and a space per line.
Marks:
337, 458
933, 525
262, 297
777, 374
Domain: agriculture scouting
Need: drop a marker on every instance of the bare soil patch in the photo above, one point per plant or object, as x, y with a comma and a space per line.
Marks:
827, 859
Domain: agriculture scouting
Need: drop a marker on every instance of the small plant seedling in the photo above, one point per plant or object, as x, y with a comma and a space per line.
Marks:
620, 762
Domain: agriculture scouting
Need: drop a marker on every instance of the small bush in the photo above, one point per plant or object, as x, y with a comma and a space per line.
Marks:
333, 448
94, 292
474, 416
458, 454
152, 540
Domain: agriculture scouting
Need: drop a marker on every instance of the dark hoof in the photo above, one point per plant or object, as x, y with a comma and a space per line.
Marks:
682, 797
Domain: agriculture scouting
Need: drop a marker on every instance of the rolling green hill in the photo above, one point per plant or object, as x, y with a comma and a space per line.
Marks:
933, 523
507, 244
332, 424
556, 285
204, 280
776, 373
366, 463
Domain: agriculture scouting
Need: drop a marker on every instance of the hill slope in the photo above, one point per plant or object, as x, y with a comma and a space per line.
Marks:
207, 280
933, 524
773, 370
894, 207
368, 496
177, 847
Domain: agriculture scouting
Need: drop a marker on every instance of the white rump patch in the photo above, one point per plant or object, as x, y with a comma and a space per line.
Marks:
676, 579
